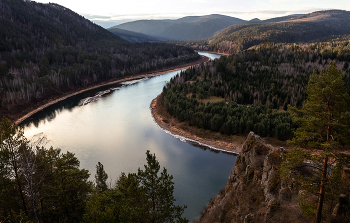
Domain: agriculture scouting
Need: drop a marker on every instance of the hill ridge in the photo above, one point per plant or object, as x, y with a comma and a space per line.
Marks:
186, 28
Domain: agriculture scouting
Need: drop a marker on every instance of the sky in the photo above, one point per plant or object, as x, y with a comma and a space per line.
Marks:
108, 13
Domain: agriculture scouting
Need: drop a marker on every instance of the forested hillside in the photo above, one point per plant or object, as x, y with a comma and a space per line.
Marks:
267, 78
313, 27
47, 49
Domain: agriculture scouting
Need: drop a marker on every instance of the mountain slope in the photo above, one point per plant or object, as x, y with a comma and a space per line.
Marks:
305, 28
280, 19
132, 36
37, 25
332, 16
186, 28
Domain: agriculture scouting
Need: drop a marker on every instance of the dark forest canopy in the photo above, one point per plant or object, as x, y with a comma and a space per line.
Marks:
267, 78
47, 49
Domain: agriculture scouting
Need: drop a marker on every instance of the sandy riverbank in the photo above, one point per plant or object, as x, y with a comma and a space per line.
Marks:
232, 144
40, 106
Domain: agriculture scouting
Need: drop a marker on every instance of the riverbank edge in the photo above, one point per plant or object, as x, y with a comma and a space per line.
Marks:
59, 98
162, 122
213, 52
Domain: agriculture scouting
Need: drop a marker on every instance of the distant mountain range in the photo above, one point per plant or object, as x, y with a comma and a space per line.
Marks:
229, 34
186, 28
183, 29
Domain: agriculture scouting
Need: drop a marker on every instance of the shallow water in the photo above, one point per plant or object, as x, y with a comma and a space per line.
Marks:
117, 129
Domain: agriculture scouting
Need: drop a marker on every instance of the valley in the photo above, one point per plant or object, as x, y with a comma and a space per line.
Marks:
125, 129
242, 119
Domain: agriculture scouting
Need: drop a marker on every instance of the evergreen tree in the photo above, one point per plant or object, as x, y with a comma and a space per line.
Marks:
159, 191
38, 184
324, 126
142, 197
11, 142
101, 178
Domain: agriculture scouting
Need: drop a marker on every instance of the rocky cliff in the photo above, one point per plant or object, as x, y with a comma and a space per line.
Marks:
255, 191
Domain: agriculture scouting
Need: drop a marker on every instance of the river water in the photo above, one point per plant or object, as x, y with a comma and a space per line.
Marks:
117, 129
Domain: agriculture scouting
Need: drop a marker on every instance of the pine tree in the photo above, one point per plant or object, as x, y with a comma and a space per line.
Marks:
11, 142
101, 178
324, 127
159, 191
142, 197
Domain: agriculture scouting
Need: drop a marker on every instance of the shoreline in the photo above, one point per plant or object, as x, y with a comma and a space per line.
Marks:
32, 111
224, 54
161, 117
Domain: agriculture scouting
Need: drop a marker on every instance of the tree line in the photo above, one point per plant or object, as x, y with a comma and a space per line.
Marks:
45, 185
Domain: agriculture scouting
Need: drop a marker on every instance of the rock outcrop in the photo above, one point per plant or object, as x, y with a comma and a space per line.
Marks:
255, 191
340, 210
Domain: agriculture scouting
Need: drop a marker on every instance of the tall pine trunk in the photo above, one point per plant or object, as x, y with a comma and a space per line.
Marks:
322, 190
324, 174
20, 188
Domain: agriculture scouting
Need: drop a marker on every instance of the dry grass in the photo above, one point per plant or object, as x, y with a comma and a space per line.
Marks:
212, 99
189, 95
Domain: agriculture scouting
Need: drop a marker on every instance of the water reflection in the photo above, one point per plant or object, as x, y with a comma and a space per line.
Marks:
205, 148
118, 129
49, 113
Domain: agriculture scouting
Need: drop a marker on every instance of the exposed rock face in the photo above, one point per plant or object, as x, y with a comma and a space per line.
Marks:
255, 191
340, 210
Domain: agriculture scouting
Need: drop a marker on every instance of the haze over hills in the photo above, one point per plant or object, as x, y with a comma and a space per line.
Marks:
186, 28
183, 29
133, 36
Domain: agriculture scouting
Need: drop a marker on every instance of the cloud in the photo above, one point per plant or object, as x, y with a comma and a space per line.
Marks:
255, 12
138, 16
200, 1
281, 1
90, 16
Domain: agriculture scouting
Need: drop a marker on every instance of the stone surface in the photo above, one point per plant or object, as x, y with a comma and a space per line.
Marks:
255, 191
339, 210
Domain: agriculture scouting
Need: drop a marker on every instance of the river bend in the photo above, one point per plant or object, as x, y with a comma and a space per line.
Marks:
113, 125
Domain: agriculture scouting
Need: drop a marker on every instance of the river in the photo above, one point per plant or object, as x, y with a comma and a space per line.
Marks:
117, 129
